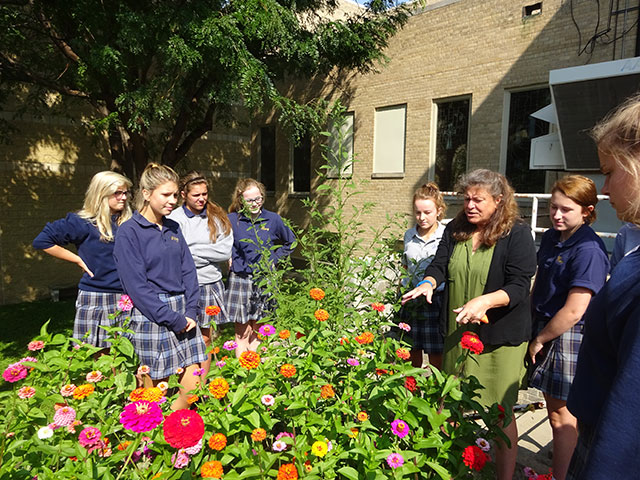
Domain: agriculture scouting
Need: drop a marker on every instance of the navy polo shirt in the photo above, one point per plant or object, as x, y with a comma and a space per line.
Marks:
579, 261
250, 239
96, 254
152, 261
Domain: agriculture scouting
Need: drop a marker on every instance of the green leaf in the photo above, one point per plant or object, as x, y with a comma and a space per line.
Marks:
440, 470
349, 472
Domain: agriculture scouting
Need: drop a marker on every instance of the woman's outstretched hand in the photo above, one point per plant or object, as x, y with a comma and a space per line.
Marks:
425, 289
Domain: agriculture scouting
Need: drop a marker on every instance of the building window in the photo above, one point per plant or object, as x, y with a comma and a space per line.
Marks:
389, 141
268, 157
452, 134
522, 129
340, 148
301, 166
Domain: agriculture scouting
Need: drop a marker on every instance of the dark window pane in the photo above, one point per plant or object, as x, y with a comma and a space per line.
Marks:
268, 157
451, 142
302, 166
522, 128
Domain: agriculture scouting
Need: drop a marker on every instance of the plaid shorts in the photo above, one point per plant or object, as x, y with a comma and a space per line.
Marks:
554, 374
581, 453
160, 348
92, 311
212, 294
245, 300
424, 320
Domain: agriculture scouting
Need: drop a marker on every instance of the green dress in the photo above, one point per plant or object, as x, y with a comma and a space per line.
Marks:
499, 368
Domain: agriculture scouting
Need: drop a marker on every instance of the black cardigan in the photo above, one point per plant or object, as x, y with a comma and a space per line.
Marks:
512, 266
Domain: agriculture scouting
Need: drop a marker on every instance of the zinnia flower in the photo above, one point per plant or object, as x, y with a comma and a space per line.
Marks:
353, 362
474, 458
141, 416
395, 460
218, 441
212, 310
36, 345
279, 446
472, 342
211, 469
219, 387
344, 340
163, 386
326, 391
364, 338
198, 372
83, 391
94, 376
249, 359
180, 459
44, 433
363, 416
317, 294
319, 449
321, 315
404, 326
67, 390
183, 428
377, 306
258, 434
151, 394
143, 370
400, 428
267, 330
15, 372
125, 304
353, 433
483, 444
288, 471
229, 345
179, 371
26, 392
268, 400
28, 359
284, 434
287, 370
410, 383
89, 437
195, 449
284, 334
403, 354
220, 363
64, 416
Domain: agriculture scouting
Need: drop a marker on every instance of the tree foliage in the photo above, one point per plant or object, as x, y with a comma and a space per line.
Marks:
159, 74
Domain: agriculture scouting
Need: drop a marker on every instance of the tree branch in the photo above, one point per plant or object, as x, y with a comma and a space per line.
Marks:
63, 46
205, 126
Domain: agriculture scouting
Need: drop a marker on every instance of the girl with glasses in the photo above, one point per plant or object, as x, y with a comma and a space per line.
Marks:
92, 230
255, 232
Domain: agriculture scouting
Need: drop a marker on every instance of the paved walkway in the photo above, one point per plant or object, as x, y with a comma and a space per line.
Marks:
534, 444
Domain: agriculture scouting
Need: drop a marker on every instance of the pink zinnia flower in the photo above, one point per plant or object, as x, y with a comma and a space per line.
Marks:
94, 376
28, 359
26, 392
268, 400
279, 446
195, 449
395, 460
229, 345
72, 428
400, 428
89, 437
483, 444
125, 304
404, 326
64, 416
284, 434
14, 372
67, 390
141, 416
143, 370
36, 345
220, 363
267, 330
353, 362
180, 459
198, 372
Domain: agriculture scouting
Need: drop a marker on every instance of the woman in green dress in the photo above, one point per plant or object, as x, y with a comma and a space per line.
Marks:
486, 260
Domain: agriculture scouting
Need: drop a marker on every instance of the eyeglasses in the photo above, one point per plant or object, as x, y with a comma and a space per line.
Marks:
120, 193
254, 200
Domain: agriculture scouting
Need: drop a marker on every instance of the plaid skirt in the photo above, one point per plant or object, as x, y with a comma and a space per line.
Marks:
92, 311
554, 373
581, 453
160, 348
246, 301
424, 320
212, 294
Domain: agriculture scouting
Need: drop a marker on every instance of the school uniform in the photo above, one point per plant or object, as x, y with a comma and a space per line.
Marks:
98, 295
246, 301
579, 261
158, 273
207, 256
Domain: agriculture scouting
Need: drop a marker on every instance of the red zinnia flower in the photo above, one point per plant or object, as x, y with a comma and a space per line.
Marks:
183, 428
474, 458
501, 415
299, 334
212, 310
317, 294
471, 342
377, 306
410, 383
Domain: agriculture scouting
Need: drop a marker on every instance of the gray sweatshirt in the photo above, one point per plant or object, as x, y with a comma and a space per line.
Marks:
206, 255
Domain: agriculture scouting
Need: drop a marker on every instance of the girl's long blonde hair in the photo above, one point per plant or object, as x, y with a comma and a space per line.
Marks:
96, 202
214, 211
152, 177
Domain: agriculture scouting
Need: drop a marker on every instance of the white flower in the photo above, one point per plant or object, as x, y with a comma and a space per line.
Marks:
268, 400
44, 433
483, 444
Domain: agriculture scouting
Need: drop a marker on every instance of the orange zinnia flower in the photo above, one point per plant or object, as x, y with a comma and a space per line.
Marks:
249, 360
284, 334
287, 472
83, 391
287, 370
403, 353
212, 310
364, 338
151, 394
258, 434
211, 469
192, 399
317, 294
363, 416
321, 315
218, 387
218, 441
326, 391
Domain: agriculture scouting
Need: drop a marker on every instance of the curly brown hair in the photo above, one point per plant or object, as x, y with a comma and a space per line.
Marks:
503, 218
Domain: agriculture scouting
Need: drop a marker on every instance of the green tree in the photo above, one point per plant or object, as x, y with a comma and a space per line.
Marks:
159, 74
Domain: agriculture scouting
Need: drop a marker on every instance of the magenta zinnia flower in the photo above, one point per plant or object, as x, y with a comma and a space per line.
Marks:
180, 459
395, 460
400, 428
14, 372
353, 362
229, 345
267, 330
89, 437
141, 416
125, 304
64, 416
